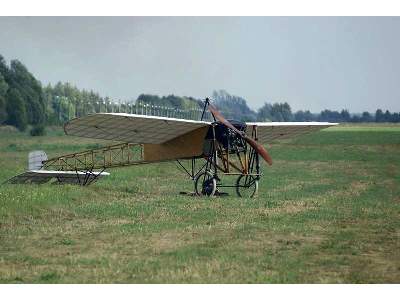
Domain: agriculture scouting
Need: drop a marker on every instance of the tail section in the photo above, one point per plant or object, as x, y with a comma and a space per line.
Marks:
36, 175
36, 159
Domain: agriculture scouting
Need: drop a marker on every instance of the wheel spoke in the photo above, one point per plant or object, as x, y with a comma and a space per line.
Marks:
246, 186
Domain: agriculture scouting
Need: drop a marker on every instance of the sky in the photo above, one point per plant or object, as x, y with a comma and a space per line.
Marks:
312, 63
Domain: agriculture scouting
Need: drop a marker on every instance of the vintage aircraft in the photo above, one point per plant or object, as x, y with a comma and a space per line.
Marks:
209, 149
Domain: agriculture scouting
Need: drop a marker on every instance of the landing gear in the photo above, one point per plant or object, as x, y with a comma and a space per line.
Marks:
227, 150
247, 186
205, 184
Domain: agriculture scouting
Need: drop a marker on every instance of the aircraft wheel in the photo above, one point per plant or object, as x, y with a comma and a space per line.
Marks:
205, 184
247, 186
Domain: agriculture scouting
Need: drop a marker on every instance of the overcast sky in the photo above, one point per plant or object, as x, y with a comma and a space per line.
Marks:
312, 63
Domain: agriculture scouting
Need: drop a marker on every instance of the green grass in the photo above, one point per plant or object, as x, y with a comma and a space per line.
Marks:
327, 212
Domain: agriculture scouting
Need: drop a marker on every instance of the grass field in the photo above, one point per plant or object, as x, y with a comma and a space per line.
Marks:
328, 211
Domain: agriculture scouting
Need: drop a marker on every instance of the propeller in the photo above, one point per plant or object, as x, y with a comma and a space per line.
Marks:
256, 146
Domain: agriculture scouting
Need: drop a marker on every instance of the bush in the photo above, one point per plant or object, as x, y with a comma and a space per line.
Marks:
38, 130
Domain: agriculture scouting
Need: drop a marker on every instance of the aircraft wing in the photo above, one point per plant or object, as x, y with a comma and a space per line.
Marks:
131, 128
169, 138
269, 131
62, 177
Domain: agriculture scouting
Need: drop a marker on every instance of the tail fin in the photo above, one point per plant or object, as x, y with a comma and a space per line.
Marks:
36, 159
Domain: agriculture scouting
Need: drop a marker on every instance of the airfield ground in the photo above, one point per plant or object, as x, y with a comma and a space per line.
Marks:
328, 211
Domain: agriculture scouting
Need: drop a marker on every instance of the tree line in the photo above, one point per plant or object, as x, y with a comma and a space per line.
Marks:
236, 108
25, 102
281, 112
21, 96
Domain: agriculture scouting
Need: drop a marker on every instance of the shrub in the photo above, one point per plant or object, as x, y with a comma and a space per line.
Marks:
38, 130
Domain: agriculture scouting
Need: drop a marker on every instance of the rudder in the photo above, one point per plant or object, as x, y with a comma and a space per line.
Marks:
35, 160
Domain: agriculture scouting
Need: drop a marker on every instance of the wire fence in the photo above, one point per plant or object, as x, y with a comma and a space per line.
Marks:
194, 113
66, 110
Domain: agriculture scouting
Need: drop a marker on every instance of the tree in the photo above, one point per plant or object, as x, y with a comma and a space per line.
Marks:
30, 90
395, 118
387, 116
366, 117
3, 92
281, 112
379, 117
286, 112
304, 116
344, 116
233, 107
16, 109
276, 113
3, 67
299, 116
330, 116
264, 113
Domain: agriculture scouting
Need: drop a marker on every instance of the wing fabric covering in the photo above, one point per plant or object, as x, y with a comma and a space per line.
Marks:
131, 128
270, 131
185, 146
44, 176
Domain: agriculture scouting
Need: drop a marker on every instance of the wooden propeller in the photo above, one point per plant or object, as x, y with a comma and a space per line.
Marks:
256, 146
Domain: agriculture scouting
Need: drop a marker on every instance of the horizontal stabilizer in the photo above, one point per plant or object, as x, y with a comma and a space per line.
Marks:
59, 177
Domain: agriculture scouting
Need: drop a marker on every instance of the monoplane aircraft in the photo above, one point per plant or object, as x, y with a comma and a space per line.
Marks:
208, 149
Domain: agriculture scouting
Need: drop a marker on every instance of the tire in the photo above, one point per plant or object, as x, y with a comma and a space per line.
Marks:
205, 184
247, 186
